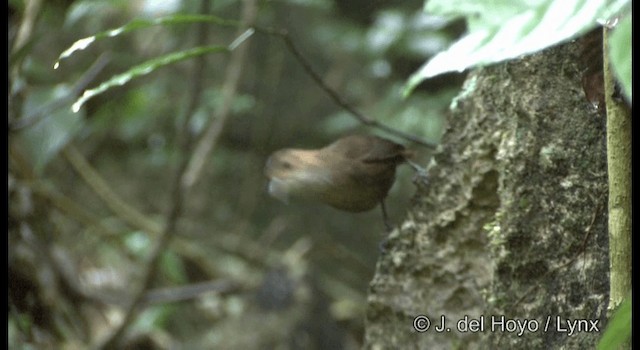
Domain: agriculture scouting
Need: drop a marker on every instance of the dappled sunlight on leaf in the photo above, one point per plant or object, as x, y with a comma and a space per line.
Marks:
141, 24
143, 69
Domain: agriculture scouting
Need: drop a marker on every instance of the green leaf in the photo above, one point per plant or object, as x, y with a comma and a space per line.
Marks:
43, 140
620, 54
138, 243
506, 29
153, 318
141, 24
173, 267
618, 330
143, 69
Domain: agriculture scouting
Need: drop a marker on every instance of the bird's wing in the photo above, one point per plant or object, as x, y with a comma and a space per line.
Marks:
385, 151
369, 149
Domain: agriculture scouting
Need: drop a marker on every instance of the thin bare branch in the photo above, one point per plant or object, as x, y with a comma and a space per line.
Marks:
337, 99
181, 293
122, 209
619, 172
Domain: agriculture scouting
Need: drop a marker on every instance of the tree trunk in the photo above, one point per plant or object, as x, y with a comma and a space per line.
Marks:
510, 233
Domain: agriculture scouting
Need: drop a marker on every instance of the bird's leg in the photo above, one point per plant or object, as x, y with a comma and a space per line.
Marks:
382, 246
385, 217
421, 173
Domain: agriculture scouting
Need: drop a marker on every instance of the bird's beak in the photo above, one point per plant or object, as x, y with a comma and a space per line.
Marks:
278, 189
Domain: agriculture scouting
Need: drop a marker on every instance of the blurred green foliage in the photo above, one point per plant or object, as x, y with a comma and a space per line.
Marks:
620, 52
618, 332
128, 131
43, 141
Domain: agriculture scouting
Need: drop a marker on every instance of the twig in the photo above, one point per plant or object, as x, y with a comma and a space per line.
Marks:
125, 211
337, 99
173, 294
619, 175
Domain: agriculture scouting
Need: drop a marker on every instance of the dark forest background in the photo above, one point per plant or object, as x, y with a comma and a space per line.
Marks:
90, 191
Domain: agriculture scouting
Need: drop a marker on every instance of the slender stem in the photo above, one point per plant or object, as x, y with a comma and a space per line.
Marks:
337, 99
619, 171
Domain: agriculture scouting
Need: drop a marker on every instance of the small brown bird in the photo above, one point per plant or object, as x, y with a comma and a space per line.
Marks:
354, 173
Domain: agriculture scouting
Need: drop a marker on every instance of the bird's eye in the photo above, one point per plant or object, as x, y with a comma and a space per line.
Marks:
286, 165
